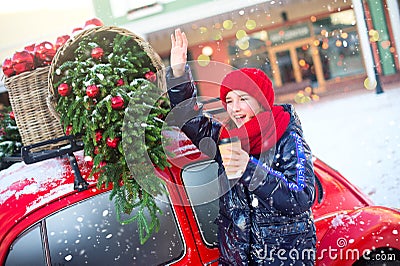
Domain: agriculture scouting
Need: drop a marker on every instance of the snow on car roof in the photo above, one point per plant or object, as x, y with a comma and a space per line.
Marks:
39, 183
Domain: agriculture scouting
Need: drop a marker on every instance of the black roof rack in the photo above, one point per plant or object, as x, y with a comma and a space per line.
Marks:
64, 151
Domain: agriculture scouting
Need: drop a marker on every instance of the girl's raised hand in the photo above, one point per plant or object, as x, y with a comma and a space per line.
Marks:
178, 59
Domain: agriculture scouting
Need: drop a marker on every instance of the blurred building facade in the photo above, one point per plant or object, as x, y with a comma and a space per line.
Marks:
310, 46
299, 44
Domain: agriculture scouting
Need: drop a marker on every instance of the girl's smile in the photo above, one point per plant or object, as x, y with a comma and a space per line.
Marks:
241, 107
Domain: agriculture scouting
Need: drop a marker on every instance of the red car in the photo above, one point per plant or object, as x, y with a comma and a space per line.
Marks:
46, 221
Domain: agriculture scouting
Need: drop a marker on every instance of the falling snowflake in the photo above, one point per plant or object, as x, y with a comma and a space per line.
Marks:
343, 219
68, 257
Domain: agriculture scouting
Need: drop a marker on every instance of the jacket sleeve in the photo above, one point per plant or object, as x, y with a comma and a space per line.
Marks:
288, 185
182, 93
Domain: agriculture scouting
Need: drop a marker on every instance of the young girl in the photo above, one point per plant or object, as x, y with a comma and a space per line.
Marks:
265, 216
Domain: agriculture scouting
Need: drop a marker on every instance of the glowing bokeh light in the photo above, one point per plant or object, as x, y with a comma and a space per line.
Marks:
315, 97
227, 24
374, 35
344, 35
203, 30
243, 44
308, 89
385, 44
370, 85
247, 53
263, 35
203, 60
207, 50
217, 36
241, 34
251, 24
301, 98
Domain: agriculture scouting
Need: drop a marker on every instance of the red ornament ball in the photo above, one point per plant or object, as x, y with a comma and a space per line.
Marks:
68, 130
150, 76
12, 115
22, 61
99, 135
76, 31
96, 150
117, 102
120, 82
44, 53
30, 48
7, 68
97, 52
64, 89
92, 91
61, 40
112, 143
93, 22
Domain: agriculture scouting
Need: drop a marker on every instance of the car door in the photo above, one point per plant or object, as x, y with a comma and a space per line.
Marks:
200, 180
88, 233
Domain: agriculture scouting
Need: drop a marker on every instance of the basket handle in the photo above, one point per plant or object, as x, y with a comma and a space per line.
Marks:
50, 101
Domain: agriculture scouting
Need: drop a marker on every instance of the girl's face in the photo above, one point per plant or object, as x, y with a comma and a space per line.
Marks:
241, 106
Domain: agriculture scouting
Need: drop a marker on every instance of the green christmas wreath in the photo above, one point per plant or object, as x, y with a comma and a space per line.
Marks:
107, 95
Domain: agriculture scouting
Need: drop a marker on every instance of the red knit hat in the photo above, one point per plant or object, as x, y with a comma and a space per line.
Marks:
251, 80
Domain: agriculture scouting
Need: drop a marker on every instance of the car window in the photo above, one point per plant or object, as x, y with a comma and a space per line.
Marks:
88, 233
201, 184
27, 249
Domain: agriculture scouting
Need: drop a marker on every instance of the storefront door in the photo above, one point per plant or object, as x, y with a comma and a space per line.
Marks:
295, 62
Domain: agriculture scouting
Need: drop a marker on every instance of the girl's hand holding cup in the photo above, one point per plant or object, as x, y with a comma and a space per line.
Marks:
234, 158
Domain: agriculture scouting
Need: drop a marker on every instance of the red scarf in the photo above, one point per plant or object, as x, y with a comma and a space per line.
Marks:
261, 132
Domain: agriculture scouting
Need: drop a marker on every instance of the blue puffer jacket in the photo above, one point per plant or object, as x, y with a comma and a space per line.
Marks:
265, 216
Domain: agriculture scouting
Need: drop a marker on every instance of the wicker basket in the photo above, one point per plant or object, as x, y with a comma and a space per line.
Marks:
28, 93
66, 53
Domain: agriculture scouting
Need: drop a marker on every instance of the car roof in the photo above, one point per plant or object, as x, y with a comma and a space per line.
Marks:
24, 188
